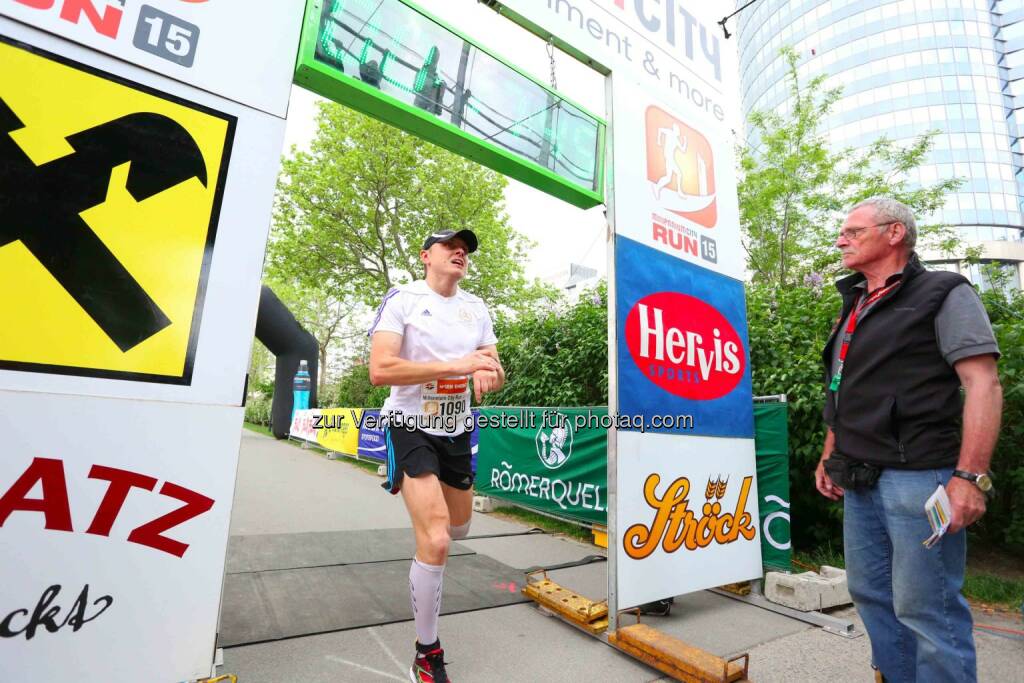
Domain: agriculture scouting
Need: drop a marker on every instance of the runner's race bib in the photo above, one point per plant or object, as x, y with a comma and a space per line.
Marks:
445, 397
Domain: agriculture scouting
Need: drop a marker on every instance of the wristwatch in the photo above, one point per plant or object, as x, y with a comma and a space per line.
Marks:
983, 481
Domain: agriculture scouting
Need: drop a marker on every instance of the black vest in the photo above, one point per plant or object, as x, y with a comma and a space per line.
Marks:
899, 400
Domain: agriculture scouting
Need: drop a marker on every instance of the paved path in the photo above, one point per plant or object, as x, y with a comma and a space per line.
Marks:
284, 489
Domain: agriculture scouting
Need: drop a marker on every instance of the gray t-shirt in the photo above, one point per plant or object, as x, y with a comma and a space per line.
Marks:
962, 328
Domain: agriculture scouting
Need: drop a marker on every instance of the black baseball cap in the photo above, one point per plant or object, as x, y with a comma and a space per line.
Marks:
467, 236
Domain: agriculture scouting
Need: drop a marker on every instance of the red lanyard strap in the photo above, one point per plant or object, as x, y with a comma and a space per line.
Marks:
851, 326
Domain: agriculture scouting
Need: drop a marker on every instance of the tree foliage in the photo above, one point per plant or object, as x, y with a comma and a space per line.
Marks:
352, 212
556, 355
794, 190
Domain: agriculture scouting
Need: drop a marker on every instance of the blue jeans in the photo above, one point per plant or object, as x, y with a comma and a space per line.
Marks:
908, 595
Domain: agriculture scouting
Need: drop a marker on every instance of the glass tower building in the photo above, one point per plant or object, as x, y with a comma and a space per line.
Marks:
906, 67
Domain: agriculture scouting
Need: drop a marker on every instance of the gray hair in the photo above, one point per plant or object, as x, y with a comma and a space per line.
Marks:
889, 209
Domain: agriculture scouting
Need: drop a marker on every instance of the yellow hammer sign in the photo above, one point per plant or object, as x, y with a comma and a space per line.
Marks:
110, 194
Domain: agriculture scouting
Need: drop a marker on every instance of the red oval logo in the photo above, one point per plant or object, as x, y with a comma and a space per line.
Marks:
685, 346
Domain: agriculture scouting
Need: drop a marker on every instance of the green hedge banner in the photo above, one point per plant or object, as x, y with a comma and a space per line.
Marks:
771, 442
550, 459
555, 460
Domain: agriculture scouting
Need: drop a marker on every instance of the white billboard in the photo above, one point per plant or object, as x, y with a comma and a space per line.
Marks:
675, 180
158, 289
687, 515
113, 526
242, 51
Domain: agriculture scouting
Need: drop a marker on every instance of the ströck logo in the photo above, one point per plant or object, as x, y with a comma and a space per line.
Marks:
685, 346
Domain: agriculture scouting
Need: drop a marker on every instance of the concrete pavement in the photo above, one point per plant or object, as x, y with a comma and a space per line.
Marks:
284, 489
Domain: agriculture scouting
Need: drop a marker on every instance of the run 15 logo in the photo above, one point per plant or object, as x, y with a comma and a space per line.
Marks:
680, 168
104, 17
685, 346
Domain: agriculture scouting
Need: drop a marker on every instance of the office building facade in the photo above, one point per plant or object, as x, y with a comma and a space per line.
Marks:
907, 67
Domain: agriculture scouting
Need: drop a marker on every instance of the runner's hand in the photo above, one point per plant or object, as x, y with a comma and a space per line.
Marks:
478, 360
484, 382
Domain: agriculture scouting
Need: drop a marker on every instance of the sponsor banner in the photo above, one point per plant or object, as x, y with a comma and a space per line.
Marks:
772, 441
372, 441
205, 43
113, 540
352, 431
333, 429
674, 48
339, 430
544, 459
135, 227
675, 184
687, 515
682, 343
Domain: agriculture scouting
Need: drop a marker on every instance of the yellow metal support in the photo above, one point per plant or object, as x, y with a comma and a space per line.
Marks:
582, 611
220, 679
679, 660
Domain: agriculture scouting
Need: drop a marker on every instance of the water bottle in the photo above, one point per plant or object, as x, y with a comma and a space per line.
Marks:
300, 388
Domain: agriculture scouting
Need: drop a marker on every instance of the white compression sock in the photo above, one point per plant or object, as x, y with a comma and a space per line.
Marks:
461, 531
425, 588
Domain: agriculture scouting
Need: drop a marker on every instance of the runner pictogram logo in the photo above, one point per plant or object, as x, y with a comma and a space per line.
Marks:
680, 168
109, 199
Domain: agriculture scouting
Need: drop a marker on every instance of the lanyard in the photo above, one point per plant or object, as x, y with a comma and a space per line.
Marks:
851, 326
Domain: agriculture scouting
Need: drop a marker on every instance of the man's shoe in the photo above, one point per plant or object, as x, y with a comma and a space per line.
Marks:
428, 667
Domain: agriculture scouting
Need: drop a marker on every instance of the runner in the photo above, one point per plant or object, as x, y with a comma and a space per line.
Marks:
428, 339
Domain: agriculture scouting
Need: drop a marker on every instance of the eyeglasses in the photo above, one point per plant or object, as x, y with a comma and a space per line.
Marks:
854, 233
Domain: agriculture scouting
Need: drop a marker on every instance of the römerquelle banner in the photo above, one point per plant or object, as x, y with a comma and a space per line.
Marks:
550, 459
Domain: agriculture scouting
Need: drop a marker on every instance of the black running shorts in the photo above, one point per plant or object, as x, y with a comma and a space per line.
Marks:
416, 453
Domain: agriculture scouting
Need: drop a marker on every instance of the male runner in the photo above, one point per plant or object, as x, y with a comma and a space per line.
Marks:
428, 339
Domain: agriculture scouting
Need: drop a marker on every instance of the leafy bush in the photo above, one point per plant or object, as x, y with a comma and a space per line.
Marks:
788, 328
556, 355
257, 410
353, 390
1004, 522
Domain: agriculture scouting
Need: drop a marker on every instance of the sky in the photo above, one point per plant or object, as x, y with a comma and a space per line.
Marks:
563, 233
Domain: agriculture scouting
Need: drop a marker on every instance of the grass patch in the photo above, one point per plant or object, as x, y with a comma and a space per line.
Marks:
824, 554
553, 526
979, 586
994, 590
259, 429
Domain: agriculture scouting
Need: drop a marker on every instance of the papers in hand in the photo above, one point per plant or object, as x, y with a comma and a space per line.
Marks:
937, 508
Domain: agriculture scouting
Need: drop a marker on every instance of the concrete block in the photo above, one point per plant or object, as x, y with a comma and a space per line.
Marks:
483, 504
382, 470
809, 591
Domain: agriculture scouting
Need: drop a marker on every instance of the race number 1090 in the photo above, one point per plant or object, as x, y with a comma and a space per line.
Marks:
166, 36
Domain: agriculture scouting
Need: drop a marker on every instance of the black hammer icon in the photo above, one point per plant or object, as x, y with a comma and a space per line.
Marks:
41, 207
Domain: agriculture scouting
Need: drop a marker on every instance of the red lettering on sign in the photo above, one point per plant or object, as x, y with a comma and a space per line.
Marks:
54, 504
121, 482
676, 240
685, 346
36, 4
149, 534
56, 508
105, 24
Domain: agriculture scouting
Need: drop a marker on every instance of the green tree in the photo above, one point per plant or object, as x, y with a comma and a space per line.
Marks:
351, 214
794, 190
330, 318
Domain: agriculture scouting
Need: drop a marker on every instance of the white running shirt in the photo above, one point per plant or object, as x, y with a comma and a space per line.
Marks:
434, 328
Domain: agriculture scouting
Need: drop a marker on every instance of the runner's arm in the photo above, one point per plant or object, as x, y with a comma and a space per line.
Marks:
387, 368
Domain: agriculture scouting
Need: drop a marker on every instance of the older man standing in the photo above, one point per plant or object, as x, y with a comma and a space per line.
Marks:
907, 340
